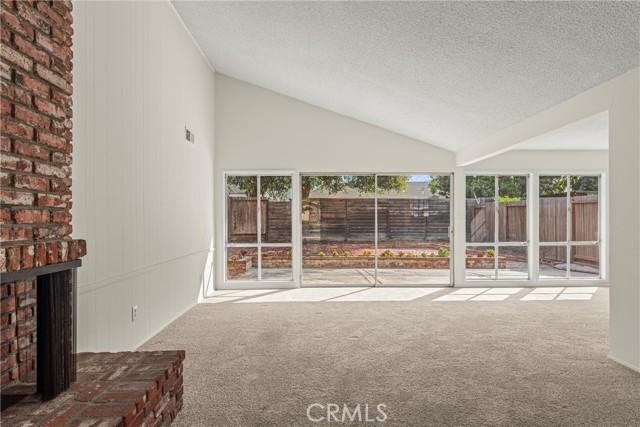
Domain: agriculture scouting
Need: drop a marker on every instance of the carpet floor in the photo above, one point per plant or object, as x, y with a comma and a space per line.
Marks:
431, 363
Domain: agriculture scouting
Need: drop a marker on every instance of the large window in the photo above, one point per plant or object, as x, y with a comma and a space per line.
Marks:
258, 228
391, 229
497, 227
375, 230
569, 221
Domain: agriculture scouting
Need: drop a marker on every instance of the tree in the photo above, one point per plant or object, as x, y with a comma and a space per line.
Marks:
515, 187
557, 185
363, 184
440, 185
279, 187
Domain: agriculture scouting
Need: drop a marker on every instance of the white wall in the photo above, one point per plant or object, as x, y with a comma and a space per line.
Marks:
624, 146
257, 129
261, 129
143, 196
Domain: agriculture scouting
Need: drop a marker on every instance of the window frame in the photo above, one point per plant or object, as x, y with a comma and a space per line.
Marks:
496, 243
259, 245
569, 243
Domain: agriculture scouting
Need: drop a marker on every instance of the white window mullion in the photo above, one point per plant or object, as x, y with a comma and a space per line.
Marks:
375, 232
496, 224
259, 225
533, 226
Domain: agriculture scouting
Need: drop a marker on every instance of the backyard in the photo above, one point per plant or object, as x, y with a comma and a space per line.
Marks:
408, 217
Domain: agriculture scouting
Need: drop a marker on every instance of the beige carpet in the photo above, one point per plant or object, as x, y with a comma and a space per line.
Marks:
432, 363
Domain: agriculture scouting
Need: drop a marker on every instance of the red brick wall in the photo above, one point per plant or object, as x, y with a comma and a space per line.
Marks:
18, 349
35, 173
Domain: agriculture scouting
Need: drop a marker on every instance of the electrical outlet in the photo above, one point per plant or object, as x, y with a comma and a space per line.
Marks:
134, 313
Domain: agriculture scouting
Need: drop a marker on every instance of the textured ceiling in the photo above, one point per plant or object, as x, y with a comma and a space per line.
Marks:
446, 73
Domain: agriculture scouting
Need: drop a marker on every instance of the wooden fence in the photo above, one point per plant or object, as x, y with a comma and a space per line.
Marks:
352, 220
242, 221
553, 225
341, 220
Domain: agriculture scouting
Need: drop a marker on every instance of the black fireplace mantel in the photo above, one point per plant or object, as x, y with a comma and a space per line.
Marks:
27, 273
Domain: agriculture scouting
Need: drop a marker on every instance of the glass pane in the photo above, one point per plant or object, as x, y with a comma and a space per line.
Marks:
275, 194
338, 225
276, 264
480, 263
242, 209
513, 263
480, 191
553, 262
584, 208
585, 262
413, 230
242, 264
553, 209
512, 208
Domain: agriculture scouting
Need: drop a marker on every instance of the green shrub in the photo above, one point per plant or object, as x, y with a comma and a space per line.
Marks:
504, 199
387, 254
288, 254
432, 255
346, 253
423, 254
367, 253
307, 254
401, 254
234, 258
444, 253
490, 253
321, 254
335, 254
265, 254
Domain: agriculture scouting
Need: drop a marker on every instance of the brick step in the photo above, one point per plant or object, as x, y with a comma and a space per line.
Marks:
112, 390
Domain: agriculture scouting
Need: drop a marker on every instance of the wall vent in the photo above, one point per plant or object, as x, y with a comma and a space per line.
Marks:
189, 136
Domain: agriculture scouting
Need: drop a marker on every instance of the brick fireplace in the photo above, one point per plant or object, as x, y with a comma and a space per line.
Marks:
35, 176
38, 255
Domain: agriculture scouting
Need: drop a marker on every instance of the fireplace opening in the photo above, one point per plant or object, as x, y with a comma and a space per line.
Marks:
56, 362
54, 335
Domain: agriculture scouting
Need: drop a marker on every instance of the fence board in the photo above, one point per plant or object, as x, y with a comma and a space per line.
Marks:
278, 222
352, 220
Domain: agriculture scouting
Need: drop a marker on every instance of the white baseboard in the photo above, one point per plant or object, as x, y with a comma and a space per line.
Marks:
625, 364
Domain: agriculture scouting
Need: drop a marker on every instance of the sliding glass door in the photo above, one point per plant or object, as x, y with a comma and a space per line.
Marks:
338, 230
376, 230
413, 230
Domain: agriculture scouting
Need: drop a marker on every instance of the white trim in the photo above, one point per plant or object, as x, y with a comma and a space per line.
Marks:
90, 287
623, 363
161, 328
375, 231
534, 227
260, 283
496, 244
525, 283
450, 284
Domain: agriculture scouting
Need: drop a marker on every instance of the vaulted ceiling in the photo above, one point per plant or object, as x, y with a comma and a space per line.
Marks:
446, 73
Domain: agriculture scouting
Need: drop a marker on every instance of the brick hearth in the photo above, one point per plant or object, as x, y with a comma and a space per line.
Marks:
112, 390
